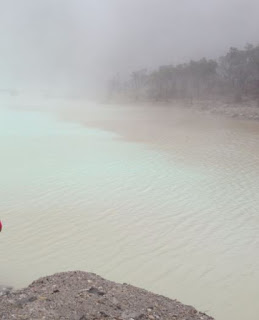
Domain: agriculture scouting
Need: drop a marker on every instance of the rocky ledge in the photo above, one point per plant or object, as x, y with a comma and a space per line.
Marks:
85, 296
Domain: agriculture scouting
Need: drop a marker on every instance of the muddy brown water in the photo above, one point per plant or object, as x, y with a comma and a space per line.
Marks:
162, 198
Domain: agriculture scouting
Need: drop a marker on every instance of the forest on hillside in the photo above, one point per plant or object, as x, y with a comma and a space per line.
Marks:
234, 76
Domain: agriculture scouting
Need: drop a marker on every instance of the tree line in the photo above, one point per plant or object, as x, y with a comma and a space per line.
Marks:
234, 75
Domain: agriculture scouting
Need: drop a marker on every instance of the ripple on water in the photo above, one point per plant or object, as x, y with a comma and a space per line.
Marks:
178, 218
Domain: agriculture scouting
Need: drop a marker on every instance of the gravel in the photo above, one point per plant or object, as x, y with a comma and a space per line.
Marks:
80, 295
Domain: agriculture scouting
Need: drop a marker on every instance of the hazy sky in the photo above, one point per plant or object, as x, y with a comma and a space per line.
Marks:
80, 43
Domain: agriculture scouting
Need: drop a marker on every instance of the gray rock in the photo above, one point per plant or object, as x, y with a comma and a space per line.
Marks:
85, 296
5, 290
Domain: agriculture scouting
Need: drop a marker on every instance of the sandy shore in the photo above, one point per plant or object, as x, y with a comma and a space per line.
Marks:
85, 296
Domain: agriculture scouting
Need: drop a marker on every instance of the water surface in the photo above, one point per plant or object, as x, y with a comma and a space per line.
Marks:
162, 199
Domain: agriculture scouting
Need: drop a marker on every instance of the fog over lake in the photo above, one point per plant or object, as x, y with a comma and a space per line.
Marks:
129, 146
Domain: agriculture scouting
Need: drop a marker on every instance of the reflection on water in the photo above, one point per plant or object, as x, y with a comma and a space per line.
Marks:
173, 207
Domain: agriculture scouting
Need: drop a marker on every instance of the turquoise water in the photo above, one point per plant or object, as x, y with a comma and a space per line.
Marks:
75, 197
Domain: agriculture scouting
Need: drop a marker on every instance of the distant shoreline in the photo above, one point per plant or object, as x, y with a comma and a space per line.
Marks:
246, 110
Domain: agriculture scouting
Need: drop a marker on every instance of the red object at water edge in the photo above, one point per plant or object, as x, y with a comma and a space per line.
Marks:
1, 226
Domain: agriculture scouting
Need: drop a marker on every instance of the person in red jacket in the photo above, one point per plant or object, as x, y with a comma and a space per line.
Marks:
1, 226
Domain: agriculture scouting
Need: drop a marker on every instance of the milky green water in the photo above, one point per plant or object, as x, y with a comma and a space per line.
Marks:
162, 216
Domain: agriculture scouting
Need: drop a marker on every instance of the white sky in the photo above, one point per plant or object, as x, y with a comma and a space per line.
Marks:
80, 43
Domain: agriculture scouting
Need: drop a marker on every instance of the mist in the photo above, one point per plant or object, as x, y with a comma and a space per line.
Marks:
76, 46
129, 135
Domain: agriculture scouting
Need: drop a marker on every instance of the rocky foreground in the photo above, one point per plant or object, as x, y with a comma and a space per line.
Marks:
85, 296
